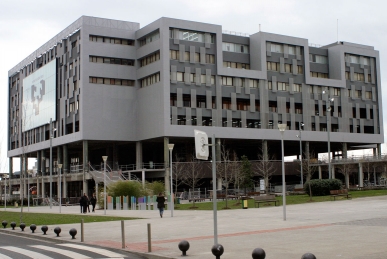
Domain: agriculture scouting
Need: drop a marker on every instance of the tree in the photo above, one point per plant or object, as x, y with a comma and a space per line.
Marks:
346, 169
247, 174
154, 188
125, 188
178, 171
264, 168
192, 175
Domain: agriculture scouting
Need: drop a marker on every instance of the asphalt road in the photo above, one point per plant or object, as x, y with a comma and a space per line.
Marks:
21, 247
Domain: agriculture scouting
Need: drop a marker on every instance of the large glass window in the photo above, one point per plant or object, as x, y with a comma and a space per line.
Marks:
235, 47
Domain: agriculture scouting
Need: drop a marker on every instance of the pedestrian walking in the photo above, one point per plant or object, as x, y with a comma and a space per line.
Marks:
93, 201
160, 203
81, 203
84, 202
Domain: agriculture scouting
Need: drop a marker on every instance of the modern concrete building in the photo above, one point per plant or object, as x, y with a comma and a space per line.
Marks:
107, 87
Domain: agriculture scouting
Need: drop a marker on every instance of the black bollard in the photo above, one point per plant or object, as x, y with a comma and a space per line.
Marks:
184, 246
258, 253
57, 231
73, 232
4, 223
308, 256
33, 227
217, 250
13, 225
22, 226
44, 229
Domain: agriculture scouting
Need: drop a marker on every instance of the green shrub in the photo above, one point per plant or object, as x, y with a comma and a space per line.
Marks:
321, 187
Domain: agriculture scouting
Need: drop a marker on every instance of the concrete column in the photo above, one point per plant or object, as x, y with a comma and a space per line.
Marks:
218, 155
10, 166
143, 178
307, 150
345, 150
264, 150
319, 172
115, 158
360, 175
333, 171
59, 161
43, 165
166, 163
85, 164
219, 183
379, 147
139, 155
65, 170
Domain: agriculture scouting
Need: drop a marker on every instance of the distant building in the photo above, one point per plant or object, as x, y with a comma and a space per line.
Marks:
112, 88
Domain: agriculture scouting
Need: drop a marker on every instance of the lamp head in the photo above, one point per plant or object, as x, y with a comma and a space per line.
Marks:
282, 127
170, 146
104, 158
59, 166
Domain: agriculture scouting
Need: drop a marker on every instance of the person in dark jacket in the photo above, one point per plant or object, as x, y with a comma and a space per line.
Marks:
84, 202
93, 201
160, 203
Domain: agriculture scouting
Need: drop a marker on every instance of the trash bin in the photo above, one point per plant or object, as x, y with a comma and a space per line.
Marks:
16, 205
178, 200
245, 205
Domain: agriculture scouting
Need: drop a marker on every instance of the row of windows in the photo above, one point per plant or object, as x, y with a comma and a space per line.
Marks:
318, 59
73, 106
236, 65
200, 101
175, 55
107, 60
231, 81
318, 74
111, 40
150, 59
235, 47
357, 60
279, 48
150, 38
180, 77
274, 66
189, 35
110, 81
337, 92
150, 80
281, 86
357, 76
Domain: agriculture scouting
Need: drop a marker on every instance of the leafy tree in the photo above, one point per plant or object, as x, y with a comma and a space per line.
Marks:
247, 174
125, 188
155, 187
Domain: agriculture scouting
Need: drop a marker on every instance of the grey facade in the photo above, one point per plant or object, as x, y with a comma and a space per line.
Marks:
112, 100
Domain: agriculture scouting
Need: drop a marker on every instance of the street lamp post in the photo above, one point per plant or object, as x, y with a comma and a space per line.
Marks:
104, 183
328, 104
5, 193
28, 189
51, 137
60, 187
282, 128
300, 124
170, 147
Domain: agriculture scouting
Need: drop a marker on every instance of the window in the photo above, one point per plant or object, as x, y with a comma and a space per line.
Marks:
173, 100
300, 69
296, 87
366, 61
288, 68
197, 57
174, 54
236, 65
110, 81
111, 40
243, 105
336, 92
279, 48
179, 77
226, 103
191, 36
273, 66
354, 59
318, 59
358, 77
318, 74
226, 80
210, 59
201, 102
347, 75
71, 107
283, 86
149, 38
150, 59
108, 60
269, 85
73, 44
368, 95
186, 56
292, 50
70, 66
358, 93
150, 80
234, 47
253, 83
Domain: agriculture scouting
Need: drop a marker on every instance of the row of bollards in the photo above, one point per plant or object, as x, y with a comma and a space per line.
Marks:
57, 230
218, 250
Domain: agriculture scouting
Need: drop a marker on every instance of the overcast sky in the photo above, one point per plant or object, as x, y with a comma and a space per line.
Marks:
27, 25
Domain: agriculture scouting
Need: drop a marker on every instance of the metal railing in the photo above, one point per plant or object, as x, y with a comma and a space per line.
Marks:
236, 33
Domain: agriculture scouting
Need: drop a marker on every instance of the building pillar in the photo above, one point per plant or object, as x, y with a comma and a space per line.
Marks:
307, 150
360, 175
43, 167
319, 172
379, 147
345, 150
264, 150
85, 163
65, 171
59, 161
38, 172
333, 172
166, 163
115, 158
139, 155
143, 178
10, 166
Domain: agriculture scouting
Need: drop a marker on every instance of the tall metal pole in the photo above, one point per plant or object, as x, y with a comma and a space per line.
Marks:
28, 189
51, 163
329, 139
214, 198
104, 183
5, 194
282, 128
301, 161
170, 146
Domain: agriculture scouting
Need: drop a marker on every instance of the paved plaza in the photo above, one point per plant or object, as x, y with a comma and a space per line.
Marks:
345, 229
